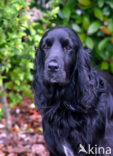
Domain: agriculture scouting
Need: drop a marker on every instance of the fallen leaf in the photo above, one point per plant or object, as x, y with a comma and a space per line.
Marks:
105, 30
40, 150
2, 154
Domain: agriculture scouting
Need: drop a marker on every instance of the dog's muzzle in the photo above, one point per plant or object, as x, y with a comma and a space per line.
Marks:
53, 66
54, 72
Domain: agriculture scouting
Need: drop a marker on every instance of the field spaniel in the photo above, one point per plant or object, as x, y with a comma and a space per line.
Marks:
75, 100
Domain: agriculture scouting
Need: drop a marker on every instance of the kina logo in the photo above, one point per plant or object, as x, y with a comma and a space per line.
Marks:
95, 150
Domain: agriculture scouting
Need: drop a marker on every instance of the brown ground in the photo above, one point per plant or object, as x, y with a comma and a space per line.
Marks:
25, 137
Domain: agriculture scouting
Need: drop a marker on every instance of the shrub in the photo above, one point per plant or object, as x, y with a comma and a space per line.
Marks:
17, 47
93, 21
16, 54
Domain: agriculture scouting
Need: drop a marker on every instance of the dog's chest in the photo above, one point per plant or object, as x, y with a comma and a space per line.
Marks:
63, 132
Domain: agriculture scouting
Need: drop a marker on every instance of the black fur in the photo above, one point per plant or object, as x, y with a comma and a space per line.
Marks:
79, 111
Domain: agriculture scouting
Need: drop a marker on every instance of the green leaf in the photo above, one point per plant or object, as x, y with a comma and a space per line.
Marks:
110, 3
76, 27
30, 65
55, 11
14, 98
17, 82
111, 67
66, 12
1, 112
94, 27
98, 13
85, 2
1, 81
89, 42
82, 36
18, 7
103, 43
86, 22
104, 66
110, 25
106, 11
100, 3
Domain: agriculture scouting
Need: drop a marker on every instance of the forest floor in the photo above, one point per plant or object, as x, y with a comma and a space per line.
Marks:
25, 137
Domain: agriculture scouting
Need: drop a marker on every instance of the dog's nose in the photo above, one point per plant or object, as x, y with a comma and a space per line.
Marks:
53, 66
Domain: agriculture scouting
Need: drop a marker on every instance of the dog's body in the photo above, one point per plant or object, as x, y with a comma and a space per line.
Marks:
76, 103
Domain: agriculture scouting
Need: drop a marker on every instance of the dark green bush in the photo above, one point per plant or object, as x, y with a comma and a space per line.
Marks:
93, 21
18, 38
16, 54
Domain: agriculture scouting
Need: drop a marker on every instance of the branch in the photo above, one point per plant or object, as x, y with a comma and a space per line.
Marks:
3, 100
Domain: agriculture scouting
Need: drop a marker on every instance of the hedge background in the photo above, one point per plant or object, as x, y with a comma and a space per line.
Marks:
22, 24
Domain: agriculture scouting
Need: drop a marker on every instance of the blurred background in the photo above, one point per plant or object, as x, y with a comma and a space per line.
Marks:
22, 24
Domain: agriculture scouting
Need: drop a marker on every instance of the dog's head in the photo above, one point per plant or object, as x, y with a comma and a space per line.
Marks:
62, 60
58, 48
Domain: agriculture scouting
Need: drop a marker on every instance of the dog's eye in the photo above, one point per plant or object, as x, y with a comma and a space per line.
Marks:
45, 47
68, 48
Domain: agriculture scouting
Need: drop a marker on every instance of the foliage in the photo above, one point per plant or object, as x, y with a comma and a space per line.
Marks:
17, 47
16, 54
93, 21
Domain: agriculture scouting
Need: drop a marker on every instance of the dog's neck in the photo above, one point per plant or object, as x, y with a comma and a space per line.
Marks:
65, 96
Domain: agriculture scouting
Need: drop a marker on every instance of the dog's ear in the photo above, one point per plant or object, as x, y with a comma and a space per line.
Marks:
38, 62
85, 78
37, 84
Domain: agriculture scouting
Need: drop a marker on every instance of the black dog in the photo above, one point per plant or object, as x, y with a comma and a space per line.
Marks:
75, 101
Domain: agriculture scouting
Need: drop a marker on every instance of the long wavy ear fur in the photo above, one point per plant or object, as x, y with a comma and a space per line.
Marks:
38, 87
86, 82
39, 61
